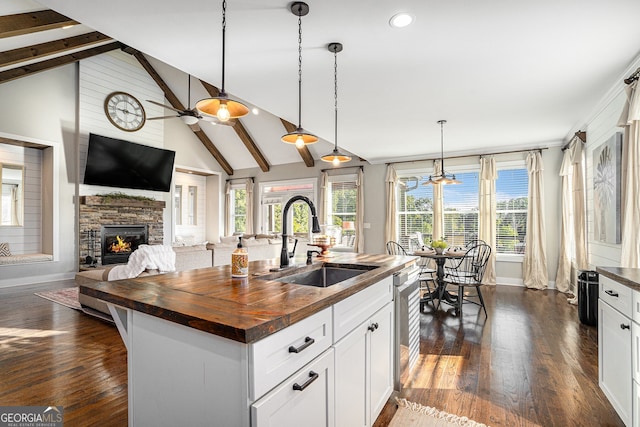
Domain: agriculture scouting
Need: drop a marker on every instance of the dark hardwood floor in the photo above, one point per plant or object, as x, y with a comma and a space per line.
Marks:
532, 363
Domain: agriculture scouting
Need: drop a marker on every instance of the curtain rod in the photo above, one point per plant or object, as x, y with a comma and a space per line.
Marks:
345, 167
582, 135
237, 179
470, 155
633, 77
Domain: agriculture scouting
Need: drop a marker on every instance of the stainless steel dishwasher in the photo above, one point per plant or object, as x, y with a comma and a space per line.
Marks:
407, 330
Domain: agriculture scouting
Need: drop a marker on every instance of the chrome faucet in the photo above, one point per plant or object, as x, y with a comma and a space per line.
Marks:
285, 254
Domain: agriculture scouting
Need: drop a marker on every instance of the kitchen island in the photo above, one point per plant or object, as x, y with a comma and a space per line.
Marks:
205, 349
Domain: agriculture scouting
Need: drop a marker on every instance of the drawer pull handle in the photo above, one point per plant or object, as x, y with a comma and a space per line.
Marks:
312, 377
373, 327
623, 326
611, 293
307, 342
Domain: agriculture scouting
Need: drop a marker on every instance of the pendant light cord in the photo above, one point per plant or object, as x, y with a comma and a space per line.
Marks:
224, 30
335, 94
299, 71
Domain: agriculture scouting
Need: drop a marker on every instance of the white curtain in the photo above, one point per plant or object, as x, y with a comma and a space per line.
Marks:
534, 266
227, 209
249, 191
359, 243
323, 207
630, 256
390, 223
573, 242
487, 229
438, 204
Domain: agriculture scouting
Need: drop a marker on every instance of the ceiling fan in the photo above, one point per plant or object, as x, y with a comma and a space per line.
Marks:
190, 116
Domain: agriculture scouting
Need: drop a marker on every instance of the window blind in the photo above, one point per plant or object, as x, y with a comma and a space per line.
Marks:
461, 209
512, 187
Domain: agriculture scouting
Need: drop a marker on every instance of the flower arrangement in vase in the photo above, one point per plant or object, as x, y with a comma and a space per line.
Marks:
439, 245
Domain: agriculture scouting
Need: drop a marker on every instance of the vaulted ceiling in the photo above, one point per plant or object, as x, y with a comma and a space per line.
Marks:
505, 74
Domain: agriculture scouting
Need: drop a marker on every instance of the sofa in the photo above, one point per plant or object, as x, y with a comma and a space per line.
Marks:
187, 258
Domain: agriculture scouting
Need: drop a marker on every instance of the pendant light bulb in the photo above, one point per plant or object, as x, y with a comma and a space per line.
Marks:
223, 112
336, 161
299, 141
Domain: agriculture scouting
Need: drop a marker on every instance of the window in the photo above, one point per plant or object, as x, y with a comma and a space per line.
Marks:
238, 208
273, 197
342, 201
177, 197
512, 189
192, 208
11, 203
461, 210
415, 209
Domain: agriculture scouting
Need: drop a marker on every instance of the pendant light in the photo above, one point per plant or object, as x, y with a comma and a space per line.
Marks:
221, 107
443, 177
335, 157
299, 137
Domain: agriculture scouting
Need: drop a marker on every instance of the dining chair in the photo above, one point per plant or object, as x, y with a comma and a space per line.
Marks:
395, 248
468, 273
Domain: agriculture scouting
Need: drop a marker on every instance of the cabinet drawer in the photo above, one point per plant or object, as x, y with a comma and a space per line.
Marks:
351, 312
277, 356
313, 406
616, 295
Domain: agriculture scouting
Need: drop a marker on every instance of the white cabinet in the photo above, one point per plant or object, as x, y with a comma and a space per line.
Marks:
364, 370
614, 354
304, 399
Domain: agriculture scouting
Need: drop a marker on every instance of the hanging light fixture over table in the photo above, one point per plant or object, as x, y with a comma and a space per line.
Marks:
335, 157
222, 107
443, 177
299, 137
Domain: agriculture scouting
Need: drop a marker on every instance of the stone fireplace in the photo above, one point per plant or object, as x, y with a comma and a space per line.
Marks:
97, 212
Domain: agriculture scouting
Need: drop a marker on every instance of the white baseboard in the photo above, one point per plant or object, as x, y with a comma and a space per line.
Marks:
31, 280
515, 281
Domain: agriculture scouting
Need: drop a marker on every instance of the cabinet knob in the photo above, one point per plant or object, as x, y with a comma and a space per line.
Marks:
623, 326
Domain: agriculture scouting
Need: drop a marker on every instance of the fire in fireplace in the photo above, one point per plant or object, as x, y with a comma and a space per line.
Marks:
118, 241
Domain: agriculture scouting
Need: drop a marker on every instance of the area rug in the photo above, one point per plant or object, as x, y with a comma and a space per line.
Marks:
65, 296
69, 298
412, 414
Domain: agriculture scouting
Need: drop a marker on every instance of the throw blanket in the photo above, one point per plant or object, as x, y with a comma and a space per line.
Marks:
150, 257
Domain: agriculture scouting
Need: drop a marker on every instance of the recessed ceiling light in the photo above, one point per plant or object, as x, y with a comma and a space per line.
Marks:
401, 20
255, 110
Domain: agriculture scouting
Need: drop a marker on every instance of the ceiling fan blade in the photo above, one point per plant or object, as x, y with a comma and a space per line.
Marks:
160, 118
195, 127
165, 106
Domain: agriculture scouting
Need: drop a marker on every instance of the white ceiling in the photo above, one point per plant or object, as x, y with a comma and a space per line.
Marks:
505, 74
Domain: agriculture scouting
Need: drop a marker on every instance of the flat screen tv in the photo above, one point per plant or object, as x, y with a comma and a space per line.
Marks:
116, 163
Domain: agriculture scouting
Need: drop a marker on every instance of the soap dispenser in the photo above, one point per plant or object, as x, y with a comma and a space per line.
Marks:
240, 261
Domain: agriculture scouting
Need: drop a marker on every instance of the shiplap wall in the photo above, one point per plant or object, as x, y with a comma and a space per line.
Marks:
196, 233
99, 76
599, 130
27, 238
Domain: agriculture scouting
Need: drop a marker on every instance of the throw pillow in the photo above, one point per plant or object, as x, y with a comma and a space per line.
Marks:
229, 239
4, 249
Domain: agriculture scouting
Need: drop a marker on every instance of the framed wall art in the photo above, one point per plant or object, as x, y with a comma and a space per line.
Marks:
607, 178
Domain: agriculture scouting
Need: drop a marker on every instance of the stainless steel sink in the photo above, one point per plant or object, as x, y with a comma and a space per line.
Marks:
327, 275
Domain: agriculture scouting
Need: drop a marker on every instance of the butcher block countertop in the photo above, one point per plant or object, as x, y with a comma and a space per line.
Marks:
244, 310
629, 277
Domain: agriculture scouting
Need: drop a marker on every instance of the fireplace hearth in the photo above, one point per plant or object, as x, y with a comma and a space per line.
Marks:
119, 241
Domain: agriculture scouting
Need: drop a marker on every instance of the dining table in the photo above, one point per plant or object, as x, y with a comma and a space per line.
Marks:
440, 292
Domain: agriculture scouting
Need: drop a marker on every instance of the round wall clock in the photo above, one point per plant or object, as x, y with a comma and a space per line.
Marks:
124, 111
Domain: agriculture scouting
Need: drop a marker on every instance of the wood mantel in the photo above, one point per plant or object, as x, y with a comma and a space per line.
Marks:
121, 201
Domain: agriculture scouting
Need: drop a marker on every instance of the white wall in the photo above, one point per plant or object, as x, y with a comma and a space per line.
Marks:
41, 108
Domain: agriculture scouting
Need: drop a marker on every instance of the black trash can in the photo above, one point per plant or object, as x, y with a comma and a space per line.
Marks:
588, 297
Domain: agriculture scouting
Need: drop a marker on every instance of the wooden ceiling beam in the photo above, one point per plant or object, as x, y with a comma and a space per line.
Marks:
25, 70
37, 51
242, 133
175, 103
304, 150
32, 22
